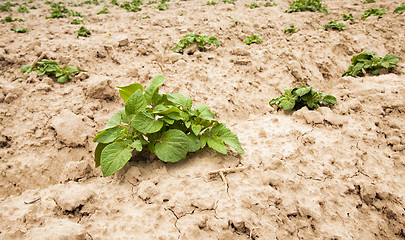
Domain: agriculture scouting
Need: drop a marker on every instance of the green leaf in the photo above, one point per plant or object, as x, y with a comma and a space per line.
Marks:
109, 135
146, 123
127, 91
26, 69
97, 153
63, 79
153, 88
114, 157
226, 135
193, 142
302, 91
173, 146
137, 145
135, 103
391, 59
275, 100
217, 144
204, 112
287, 104
179, 100
114, 121
329, 99
196, 129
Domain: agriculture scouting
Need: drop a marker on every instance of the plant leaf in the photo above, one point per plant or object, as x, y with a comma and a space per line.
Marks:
114, 157
114, 121
196, 129
146, 123
329, 99
127, 91
217, 144
193, 142
287, 104
26, 69
173, 146
227, 136
204, 112
153, 88
302, 91
179, 100
97, 153
135, 103
109, 135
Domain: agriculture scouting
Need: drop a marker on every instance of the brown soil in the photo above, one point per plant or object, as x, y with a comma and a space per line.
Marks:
332, 173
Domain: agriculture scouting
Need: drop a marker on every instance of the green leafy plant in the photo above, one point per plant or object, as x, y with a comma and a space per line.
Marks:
22, 9
252, 39
114, 2
400, 9
163, 124
20, 30
200, 40
253, 5
211, 3
368, 1
76, 21
229, 1
83, 32
52, 69
269, 4
72, 13
33, 7
301, 96
130, 7
373, 12
6, 7
368, 62
162, 6
104, 11
307, 5
10, 19
291, 29
335, 25
58, 11
347, 17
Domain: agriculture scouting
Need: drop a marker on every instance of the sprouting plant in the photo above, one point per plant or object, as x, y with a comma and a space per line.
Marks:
76, 21
52, 69
130, 7
22, 9
146, 17
151, 2
33, 7
211, 3
307, 5
72, 13
114, 2
269, 4
252, 39
104, 11
10, 19
229, 1
200, 40
83, 32
335, 25
368, 1
370, 63
20, 30
347, 17
373, 12
253, 5
166, 125
58, 11
6, 7
162, 6
400, 9
301, 96
291, 29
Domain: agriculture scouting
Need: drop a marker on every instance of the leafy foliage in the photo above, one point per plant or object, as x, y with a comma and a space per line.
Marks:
76, 21
19, 30
6, 7
162, 6
307, 5
369, 1
83, 32
72, 13
229, 1
400, 9
373, 12
347, 17
10, 19
131, 6
253, 5
22, 9
301, 96
51, 68
269, 4
370, 63
335, 25
290, 29
252, 39
114, 2
164, 124
211, 3
58, 11
104, 11
200, 40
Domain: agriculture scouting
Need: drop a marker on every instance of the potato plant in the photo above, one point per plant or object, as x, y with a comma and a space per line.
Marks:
380, 13
164, 124
20, 30
252, 39
307, 5
400, 9
291, 29
335, 25
83, 32
301, 96
200, 40
10, 19
368, 62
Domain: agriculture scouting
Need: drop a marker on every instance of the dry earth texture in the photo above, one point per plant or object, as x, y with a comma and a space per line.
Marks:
331, 173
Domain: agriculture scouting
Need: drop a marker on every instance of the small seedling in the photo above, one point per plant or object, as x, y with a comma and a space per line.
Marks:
269, 4
211, 3
104, 11
162, 6
301, 96
307, 5
75, 14
22, 9
52, 69
373, 12
200, 40
58, 11
76, 21
146, 17
252, 39
130, 7
6, 7
290, 29
33, 7
400, 9
253, 5
335, 25
10, 19
163, 124
20, 30
368, 62
229, 1
368, 1
347, 17
114, 2
83, 32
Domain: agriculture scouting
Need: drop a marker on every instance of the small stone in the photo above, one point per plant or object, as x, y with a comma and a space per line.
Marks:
73, 195
10, 97
123, 43
100, 87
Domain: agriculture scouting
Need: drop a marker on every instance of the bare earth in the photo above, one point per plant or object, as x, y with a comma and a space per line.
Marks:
332, 173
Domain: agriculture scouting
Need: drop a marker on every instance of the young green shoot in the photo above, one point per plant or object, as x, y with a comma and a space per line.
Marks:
347, 17
200, 40
380, 13
307, 5
291, 29
83, 32
400, 9
253, 5
20, 30
252, 39
335, 25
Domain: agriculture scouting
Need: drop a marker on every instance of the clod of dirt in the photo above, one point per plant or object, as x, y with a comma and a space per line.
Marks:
123, 43
58, 229
70, 128
73, 197
100, 87
147, 190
